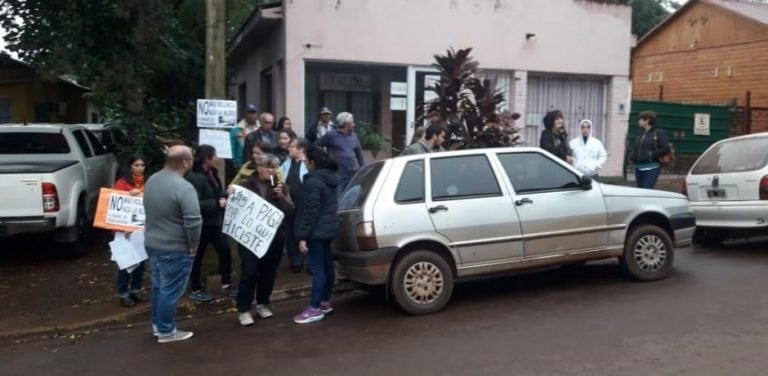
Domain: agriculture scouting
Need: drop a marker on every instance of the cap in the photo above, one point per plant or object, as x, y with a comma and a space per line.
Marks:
325, 110
251, 108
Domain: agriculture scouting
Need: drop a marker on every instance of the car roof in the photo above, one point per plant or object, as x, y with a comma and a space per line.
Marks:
451, 153
746, 137
36, 127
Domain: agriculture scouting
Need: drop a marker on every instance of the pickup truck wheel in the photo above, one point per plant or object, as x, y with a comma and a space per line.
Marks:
422, 282
648, 253
710, 237
79, 246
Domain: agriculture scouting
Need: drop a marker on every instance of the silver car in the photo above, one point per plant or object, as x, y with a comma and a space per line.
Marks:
728, 189
418, 223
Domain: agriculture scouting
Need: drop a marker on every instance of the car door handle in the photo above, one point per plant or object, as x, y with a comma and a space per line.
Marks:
437, 208
523, 201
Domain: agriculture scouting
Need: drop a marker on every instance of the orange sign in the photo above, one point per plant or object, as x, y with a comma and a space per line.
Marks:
119, 211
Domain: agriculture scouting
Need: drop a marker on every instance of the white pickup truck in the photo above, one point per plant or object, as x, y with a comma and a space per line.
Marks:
50, 176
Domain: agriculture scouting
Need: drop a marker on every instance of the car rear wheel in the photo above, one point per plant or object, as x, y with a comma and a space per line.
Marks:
79, 246
422, 282
710, 237
648, 253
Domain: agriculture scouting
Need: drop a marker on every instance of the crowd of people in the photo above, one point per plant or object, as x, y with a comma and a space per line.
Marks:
303, 177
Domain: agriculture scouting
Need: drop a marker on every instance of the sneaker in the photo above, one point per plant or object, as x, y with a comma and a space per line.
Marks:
139, 297
178, 335
326, 307
200, 296
127, 302
263, 311
309, 315
154, 331
229, 291
245, 319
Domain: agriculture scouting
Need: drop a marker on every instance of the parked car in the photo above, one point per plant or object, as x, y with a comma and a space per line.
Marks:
728, 189
50, 177
418, 223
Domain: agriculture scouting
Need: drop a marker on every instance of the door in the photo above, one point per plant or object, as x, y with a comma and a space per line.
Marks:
93, 168
468, 206
555, 214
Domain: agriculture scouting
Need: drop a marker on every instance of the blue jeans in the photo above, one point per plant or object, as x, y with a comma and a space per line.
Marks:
133, 278
292, 243
170, 273
323, 273
647, 178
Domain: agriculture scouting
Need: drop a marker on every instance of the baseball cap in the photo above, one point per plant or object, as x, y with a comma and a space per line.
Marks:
251, 108
325, 110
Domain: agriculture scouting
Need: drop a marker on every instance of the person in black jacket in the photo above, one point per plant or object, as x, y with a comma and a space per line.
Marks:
316, 227
554, 139
212, 198
650, 145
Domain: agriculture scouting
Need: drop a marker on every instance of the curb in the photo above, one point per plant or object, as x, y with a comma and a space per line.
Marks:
184, 308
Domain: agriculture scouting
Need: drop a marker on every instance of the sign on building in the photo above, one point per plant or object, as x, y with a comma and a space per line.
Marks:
215, 113
345, 82
701, 124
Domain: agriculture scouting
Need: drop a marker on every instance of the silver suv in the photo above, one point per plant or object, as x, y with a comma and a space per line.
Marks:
418, 223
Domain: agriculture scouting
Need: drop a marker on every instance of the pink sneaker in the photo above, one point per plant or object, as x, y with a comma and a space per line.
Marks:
309, 315
326, 307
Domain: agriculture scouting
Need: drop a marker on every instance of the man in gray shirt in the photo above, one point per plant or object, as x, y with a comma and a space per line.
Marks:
172, 233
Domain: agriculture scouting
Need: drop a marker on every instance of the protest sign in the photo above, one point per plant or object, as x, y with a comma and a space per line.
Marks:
219, 140
215, 113
251, 220
128, 253
117, 210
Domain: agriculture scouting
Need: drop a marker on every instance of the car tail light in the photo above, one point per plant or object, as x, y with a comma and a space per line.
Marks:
366, 236
684, 189
50, 198
764, 188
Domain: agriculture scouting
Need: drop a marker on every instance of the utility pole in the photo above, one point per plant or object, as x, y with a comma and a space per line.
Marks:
215, 66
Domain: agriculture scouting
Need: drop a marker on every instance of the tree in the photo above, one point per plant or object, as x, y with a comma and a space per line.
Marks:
646, 14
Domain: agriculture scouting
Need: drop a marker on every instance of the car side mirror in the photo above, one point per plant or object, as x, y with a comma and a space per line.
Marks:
585, 182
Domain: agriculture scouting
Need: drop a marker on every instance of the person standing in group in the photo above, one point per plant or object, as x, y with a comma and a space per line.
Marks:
259, 273
212, 199
285, 123
554, 138
237, 135
316, 226
433, 140
294, 169
249, 167
265, 133
172, 233
129, 284
317, 130
284, 139
344, 146
651, 144
588, 152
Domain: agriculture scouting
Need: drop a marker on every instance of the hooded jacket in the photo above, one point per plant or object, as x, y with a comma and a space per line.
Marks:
556, 144
589, 156
316, 215
209, 190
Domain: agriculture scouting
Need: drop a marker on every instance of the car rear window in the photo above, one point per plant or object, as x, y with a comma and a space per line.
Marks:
733, 156
360, 186
33, 143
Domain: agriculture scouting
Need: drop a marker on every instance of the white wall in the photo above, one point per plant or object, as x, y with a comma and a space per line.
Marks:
270, 52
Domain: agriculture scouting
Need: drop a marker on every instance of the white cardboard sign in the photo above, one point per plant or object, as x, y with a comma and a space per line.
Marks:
216, 113
219, 140
251, 220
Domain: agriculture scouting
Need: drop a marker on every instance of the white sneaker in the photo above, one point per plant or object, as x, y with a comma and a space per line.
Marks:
245, 319
263, 311
178, 335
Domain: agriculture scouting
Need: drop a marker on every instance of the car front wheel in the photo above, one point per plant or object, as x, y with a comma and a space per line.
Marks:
648, 253
422, 282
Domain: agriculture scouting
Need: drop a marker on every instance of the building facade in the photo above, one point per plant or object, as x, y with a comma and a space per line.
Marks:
373, 58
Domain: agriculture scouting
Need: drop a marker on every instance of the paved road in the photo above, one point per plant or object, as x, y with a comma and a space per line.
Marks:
709, 318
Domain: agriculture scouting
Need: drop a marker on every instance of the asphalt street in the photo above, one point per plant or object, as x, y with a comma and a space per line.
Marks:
710, 317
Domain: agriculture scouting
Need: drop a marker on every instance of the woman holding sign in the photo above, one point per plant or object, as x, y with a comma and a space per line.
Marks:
129, 283
258, 274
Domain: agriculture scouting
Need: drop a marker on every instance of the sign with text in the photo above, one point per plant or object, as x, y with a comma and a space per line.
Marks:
219, 140
119, 211
701, 124
251, 220
216, 113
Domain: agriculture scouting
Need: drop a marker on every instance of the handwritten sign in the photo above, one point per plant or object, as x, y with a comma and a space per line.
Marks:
215, 113
219, 140
117, 210
251, 220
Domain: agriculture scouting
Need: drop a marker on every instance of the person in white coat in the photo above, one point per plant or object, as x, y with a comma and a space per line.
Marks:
588, 152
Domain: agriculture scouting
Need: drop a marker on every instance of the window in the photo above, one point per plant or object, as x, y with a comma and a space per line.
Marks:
97, 146
80, 137
462, 177
733, 156
33, 143
532, 172
411, 187
357, 191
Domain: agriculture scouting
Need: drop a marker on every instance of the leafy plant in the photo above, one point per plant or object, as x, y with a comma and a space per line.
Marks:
371, 138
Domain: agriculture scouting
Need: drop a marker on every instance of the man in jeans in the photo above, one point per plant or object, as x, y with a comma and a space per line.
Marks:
172, 233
